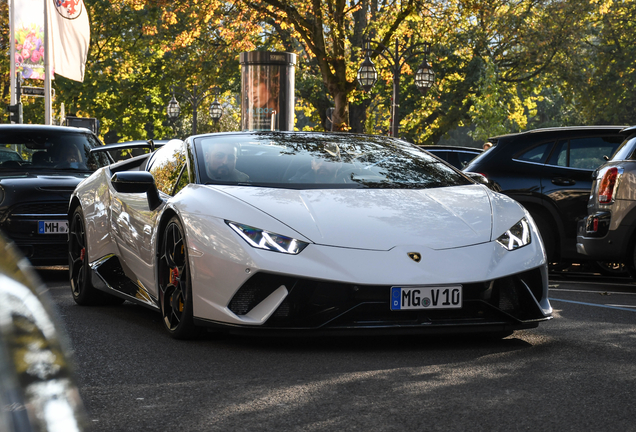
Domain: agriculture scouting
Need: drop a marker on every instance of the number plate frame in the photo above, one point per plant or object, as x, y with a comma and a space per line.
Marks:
52, 227
427, 297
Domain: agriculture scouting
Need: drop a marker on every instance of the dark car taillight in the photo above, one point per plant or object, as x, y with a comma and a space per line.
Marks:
607, 186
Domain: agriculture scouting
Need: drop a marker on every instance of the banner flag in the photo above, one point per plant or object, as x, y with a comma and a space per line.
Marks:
28, 32
70, 34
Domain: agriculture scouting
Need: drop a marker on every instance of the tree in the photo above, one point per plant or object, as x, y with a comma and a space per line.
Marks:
331, 34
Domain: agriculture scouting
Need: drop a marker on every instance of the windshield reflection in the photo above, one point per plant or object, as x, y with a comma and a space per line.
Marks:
325, 161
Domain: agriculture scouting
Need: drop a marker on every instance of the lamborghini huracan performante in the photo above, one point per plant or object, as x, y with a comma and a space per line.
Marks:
305, 232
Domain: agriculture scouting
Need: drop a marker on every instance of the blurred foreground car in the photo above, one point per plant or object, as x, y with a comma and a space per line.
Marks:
288, 232
609, 230
549, 171
457, 156
36, 182
37, 392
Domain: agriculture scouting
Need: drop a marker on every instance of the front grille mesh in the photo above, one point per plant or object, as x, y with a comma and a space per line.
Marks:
40, 208
45, 251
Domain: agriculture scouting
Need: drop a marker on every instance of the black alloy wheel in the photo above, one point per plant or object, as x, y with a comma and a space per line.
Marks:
84, 293
175, 291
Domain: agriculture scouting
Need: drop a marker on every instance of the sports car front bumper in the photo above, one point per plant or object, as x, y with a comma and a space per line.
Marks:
504, 304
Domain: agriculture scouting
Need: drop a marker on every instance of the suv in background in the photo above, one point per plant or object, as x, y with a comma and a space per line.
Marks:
549, 171
609, 230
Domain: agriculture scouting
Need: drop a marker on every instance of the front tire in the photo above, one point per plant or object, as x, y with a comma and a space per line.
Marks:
175, 291
84, 293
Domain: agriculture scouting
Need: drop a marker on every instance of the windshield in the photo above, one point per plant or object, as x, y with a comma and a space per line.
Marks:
26, 150
325, 161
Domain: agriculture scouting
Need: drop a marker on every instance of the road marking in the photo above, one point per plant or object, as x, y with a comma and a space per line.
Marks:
593, 292
594, 304
581, 282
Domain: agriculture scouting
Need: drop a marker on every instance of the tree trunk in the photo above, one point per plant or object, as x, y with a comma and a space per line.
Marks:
358, 115
341, 113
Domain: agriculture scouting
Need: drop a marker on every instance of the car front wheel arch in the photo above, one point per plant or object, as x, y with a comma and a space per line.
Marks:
549, 231
174, 281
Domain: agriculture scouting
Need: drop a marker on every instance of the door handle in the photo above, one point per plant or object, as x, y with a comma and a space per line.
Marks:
563, 181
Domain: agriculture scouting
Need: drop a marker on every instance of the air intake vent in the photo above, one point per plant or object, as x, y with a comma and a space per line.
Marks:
255, 290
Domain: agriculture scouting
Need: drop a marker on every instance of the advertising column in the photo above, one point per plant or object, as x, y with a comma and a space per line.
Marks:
267, 88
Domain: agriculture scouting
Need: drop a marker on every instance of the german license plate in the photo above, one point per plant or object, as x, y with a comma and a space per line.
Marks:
426, 297
52, 227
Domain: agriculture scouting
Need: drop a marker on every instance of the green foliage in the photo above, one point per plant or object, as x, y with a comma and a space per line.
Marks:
497, 107
500, 66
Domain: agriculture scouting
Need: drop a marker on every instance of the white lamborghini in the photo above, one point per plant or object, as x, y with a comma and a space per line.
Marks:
305, 232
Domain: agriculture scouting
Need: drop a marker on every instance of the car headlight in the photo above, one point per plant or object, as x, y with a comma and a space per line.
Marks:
517, 236
266, 240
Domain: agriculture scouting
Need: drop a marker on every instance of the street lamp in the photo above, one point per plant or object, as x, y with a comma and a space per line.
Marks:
216, 110
173, 110
424, 77
195, 97
367, 74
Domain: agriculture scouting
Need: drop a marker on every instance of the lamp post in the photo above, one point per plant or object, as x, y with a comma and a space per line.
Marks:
173, 110
368, 75
216, 110
195, 97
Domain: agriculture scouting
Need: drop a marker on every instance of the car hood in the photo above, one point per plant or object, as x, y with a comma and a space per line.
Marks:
10, 177
379, 219
48, 180
45, 186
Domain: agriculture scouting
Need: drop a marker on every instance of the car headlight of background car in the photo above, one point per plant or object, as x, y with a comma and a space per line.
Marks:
516, 237
266, 240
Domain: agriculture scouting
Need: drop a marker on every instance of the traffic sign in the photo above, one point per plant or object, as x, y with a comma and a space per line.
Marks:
35, 91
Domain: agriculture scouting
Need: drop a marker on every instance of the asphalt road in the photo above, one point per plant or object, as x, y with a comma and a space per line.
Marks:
574, 373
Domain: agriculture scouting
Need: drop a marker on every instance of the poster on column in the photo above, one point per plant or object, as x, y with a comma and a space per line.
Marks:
29, 38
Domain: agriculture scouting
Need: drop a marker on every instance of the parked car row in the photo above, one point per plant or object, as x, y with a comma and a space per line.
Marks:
245, 231
549, 171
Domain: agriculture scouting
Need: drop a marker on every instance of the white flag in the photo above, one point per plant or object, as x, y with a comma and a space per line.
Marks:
70, 34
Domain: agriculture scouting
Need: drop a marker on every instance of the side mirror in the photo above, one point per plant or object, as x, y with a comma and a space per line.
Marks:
479, 178
137, 182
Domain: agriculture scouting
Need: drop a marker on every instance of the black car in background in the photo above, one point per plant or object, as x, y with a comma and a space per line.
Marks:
39, 168
457, 156
549, 171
